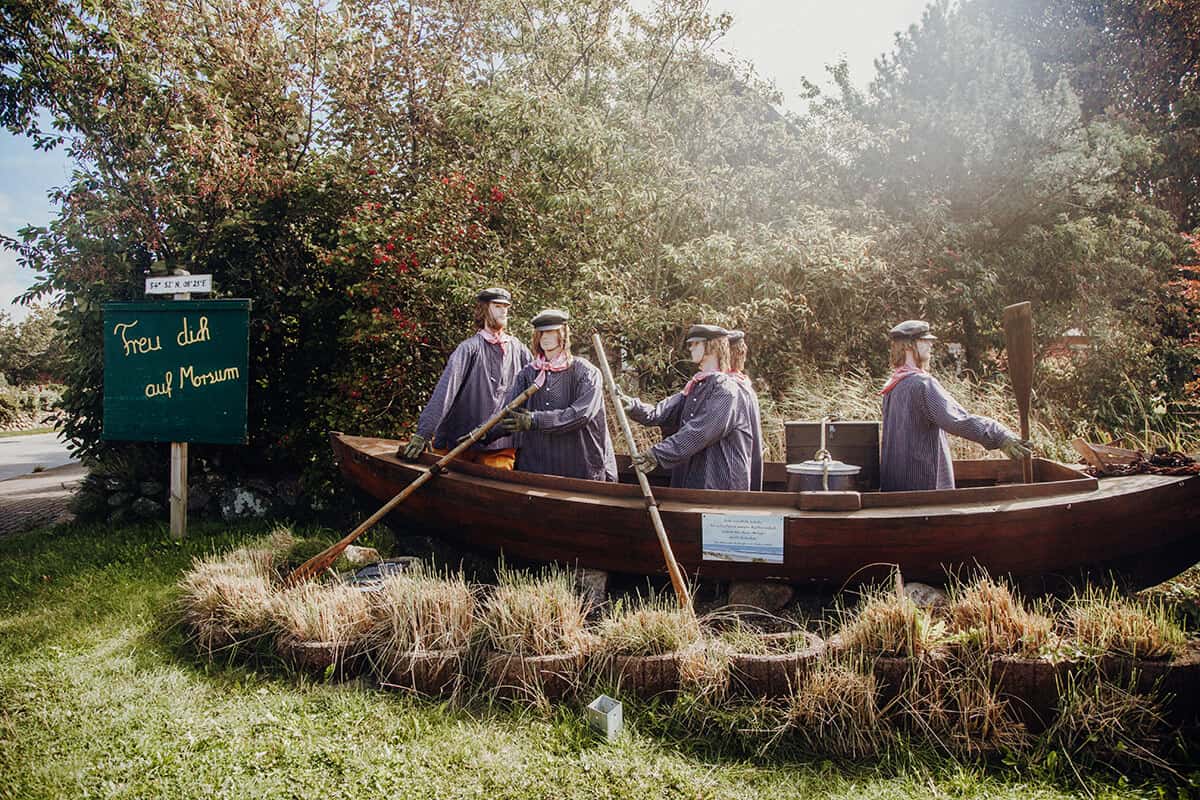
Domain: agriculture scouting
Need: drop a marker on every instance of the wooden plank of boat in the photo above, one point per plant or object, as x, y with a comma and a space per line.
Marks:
1147, 526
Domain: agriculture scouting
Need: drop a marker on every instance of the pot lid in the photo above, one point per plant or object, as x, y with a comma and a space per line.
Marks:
813, 467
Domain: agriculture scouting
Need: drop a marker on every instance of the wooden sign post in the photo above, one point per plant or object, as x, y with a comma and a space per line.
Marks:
179, 450
177, 372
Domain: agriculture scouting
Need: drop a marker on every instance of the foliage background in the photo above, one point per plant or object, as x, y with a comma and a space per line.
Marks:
360, 169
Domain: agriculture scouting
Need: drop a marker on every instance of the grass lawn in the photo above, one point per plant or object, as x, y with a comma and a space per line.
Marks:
98, 698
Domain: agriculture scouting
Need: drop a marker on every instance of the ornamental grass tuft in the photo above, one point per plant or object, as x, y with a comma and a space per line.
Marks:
533, 614
1106, 622
887, 622
833, 712
648, 627
422, 609
986, 615
311, 613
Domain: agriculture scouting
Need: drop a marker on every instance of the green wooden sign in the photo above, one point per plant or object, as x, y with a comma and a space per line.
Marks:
176, 371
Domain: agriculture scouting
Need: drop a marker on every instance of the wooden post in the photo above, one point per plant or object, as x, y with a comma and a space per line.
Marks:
681, 590
179, 489
179, 463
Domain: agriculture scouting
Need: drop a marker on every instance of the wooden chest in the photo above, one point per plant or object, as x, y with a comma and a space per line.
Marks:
851, 441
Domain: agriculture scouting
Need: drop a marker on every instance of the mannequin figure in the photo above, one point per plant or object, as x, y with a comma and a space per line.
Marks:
917, 415
709, 439
473, 386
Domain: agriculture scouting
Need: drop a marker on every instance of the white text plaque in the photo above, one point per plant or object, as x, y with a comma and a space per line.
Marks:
755, 538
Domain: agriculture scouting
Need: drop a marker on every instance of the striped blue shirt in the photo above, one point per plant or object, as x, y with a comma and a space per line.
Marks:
749, 398
917, 415
711, 445
471, 389
570, 432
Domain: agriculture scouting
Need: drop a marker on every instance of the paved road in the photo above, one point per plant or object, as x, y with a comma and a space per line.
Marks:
19, 455
42, 499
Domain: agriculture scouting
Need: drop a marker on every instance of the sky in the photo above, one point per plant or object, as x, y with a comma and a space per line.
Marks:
785, 40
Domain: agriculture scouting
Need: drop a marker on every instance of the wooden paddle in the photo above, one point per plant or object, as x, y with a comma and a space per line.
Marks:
1018, 336
681, 590
324, 559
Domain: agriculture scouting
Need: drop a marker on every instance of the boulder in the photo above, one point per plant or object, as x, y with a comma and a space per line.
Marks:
924, 595
119, 499
361, 555
242, 502
146, 508
198, 498
593, 586
287, 493
766, 595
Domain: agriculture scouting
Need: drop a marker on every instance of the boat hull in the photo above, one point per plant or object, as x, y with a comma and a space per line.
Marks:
1144, 527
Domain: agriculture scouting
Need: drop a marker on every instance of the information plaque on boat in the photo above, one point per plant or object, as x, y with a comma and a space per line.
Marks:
176, 371
756, 538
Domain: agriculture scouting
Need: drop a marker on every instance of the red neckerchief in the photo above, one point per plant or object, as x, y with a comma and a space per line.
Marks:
900, 374
500, 340
699, 376
544, 365
740, 377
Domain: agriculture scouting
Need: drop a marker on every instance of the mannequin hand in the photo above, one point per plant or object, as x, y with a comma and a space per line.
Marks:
1016, 449
517, 420
644, 462
412, 451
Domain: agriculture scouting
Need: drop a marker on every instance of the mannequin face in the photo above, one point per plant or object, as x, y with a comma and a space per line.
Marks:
551, 342
696, 350
924, 349
497, 315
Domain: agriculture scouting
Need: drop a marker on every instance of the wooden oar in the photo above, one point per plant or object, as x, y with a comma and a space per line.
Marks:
681, 590
1018, 336
324, 559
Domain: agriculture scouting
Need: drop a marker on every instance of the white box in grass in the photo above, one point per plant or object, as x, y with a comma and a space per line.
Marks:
604, 714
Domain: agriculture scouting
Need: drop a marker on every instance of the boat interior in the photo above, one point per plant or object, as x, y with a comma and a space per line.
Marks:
976, 481
992, 480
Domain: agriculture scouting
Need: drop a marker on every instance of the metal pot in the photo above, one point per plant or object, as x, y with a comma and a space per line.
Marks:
810, 476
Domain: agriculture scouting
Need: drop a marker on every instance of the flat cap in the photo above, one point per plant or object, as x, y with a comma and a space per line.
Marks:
736, 336
550, 319
911, 329
494, 295
705, 332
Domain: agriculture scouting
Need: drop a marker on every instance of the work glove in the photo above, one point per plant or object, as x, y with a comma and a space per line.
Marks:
1016, 449
516, 420
644, 462
412, 451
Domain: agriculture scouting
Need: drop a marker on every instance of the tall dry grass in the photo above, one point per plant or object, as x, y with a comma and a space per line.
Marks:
988, 616
952, 704
422, 610
1100, 722
648, 627
1105, 621
225, 599
833, 711
887, 622
315, 613
533, 614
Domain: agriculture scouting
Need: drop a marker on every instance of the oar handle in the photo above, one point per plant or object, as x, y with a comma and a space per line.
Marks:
681, 590
324, 559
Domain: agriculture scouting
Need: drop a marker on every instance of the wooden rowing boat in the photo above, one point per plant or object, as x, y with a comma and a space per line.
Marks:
1144, 527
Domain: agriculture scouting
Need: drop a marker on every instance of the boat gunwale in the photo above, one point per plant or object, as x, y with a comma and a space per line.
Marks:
1074, 482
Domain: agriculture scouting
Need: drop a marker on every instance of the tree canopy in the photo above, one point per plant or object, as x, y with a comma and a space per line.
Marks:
360, 168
